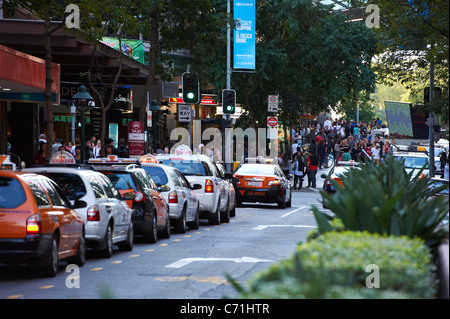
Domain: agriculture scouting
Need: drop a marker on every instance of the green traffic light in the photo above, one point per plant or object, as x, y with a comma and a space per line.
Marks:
190, 95
230, 108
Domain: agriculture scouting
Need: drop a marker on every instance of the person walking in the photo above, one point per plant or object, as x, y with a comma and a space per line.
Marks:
285, 163
313, 165
299, 170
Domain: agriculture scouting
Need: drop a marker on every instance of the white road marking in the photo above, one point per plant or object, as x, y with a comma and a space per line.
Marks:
261, 227
185, 261
291, 212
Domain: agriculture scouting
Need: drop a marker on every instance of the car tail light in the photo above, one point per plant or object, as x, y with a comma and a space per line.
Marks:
209, 186
138, 197
173, 197
93, 214
34, 224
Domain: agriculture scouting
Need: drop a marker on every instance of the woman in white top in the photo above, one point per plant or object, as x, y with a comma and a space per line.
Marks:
97, 149
376, 153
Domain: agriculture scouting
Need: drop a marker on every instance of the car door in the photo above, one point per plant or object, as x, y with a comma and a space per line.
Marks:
147, 183
69, 228
120, 210
188, 193
106, 208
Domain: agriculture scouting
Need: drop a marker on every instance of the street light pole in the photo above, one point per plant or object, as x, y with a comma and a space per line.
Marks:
81, 100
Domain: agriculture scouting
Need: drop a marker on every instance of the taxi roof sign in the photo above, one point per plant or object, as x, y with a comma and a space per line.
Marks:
112, 159
148, 158
183, 150
62, 157
6, 164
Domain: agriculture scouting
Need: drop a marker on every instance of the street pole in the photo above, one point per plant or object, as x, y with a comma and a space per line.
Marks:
431, 123
227, 117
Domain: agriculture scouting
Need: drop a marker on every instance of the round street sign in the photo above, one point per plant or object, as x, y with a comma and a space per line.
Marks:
272, 121
273, 98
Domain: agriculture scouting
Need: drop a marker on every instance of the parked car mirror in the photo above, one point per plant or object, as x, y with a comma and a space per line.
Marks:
128, 196
323, 176
196, 186
163, 188
79, 204
228, 175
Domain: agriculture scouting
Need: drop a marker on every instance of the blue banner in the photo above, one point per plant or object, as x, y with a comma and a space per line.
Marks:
244, 35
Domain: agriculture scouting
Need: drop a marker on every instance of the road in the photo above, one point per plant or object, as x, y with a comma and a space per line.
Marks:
185, 266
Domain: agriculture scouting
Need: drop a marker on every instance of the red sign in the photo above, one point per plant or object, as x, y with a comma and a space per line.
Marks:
136, 138
207, 99
272, 121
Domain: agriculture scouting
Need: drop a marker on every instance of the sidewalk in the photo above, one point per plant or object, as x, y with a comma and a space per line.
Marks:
319, 181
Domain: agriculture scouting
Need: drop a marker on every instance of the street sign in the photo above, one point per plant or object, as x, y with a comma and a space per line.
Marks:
272, 121
136, 138
184, 113
272, 103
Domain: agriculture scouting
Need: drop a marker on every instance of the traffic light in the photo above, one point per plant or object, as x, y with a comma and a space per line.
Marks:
229, 101
191, 89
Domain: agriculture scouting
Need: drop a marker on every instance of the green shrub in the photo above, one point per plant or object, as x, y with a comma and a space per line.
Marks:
385, 199
334, 266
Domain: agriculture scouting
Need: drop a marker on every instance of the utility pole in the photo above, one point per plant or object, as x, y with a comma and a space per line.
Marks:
430, 123
226, 117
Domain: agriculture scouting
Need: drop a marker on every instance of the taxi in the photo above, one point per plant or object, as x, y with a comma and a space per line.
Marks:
38, 224
151, 216
336, 173
262, 181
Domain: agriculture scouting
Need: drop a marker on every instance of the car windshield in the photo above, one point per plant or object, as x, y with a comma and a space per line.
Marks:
188, 167
12, 194
256, 169
414, 162
122, 180
71, 184
158, 174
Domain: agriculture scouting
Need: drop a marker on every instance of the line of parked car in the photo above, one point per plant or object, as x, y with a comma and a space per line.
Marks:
57, 211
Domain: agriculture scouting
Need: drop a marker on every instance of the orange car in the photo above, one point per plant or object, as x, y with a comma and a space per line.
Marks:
262, 183
37, 223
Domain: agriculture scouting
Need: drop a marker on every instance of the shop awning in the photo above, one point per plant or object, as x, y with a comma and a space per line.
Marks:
22, 77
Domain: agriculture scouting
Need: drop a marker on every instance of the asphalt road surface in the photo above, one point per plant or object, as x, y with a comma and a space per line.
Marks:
185, 266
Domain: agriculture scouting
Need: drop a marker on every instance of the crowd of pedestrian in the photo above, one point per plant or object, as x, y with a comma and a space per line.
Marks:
317, 143
92, 149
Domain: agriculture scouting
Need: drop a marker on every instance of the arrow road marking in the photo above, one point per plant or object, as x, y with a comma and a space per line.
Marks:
185, 261
291, 212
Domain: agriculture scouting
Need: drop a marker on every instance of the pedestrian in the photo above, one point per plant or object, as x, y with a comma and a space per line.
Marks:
97, 149
299, 170
446, 170
313, 165
294, 149
322, 153
376, 153
285, 164
77, 156
122, 150
40, 159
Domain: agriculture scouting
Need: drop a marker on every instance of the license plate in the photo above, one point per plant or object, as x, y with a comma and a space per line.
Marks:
256, 184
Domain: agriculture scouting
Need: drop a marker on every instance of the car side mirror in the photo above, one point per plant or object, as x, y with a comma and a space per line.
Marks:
79, 204
163, 188
128, 196
323, 176
228, 175
196, 186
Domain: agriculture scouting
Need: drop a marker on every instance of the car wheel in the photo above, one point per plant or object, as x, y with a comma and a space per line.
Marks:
165, 233
214, 218
152, 235
282, 203
50, 269
180, 226
128, 244
80, 258
107, 243
289, 203
196, 223
225, 216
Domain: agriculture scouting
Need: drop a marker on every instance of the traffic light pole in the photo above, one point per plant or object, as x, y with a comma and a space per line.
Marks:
226, 117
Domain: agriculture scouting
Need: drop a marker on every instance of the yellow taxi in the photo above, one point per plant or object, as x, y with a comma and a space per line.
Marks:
262, 182
38, 224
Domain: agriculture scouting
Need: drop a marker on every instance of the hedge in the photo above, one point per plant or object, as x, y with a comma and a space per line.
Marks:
334, 266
